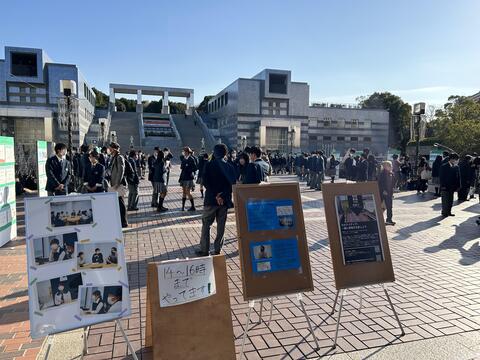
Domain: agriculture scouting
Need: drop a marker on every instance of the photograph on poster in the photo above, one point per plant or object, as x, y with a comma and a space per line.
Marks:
358, 227
97, 255
58, 291
54, 249
98, 300
275, 255
270, 214
73, 212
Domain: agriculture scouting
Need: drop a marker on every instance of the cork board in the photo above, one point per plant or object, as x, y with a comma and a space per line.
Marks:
197, 330
356, 273
270, 215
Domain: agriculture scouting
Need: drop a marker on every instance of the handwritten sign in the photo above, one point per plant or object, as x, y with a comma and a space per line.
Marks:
184, 281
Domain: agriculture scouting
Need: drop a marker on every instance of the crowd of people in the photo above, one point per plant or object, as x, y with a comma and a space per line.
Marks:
215, 173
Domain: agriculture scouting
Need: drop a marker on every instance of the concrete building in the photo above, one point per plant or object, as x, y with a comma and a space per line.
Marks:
272, 110
30, 89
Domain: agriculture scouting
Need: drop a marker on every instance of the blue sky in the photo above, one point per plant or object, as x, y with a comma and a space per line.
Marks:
420, 50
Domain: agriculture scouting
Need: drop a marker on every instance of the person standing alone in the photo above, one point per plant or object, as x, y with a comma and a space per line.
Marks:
117, 178
188, 166
218, 178
386, 183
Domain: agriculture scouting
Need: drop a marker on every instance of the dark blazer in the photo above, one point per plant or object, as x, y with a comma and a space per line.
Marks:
253, 173
449, 177
159, 171
188, 166
218, 178
362, 170
133, 164
436, 168
95, 175
57, 173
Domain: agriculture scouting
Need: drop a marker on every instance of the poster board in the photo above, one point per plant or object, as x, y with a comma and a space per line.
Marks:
8, 204
272, 242
44, 149
200, 329
358, 238
95, 286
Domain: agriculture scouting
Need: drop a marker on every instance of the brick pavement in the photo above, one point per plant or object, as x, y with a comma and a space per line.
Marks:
437, 292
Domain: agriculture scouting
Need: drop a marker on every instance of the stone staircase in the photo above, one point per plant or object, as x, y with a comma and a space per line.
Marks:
126, 124
191, 132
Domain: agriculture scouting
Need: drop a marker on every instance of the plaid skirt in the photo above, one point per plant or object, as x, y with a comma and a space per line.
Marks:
187, 183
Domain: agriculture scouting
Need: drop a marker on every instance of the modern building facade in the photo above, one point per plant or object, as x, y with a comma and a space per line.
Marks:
273, 111
31, 85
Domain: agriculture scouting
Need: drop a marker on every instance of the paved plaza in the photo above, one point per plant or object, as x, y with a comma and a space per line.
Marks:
436, 293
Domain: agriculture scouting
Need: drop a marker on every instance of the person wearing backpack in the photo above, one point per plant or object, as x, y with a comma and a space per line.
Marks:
133, 180
118, 180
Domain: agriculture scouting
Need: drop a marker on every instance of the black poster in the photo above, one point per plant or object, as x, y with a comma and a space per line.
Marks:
358, 227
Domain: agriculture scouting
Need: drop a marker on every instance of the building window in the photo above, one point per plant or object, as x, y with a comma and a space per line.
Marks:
327, 138
277, 83
367, 139
340, 138
327, 122
226, 98
24, 64
354, 138
354, 123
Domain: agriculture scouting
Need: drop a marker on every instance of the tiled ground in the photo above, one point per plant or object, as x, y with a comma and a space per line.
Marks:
437, 291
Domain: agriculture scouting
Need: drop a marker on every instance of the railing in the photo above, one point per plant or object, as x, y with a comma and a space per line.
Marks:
209, 139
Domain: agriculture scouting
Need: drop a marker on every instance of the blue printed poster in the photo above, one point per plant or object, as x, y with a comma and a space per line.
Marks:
270, 214
275, 255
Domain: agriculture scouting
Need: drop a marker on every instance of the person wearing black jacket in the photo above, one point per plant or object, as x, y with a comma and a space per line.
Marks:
319, 167
449, 183
58, 171
254, 174
94, 176
362, 168
133, 182
160, 181
437, 164
467, 177
219, 176
188, 167
386, 184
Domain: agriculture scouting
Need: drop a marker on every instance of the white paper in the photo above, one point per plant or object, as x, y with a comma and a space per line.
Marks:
184, 281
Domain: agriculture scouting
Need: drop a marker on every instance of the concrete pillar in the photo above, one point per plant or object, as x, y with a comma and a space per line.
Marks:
139, 101
189, 108
165, 107
112, 99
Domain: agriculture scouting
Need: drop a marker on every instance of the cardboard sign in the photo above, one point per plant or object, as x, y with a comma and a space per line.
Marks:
76, 262
8, 204
357, 235
184, 281
196, 330
271, 239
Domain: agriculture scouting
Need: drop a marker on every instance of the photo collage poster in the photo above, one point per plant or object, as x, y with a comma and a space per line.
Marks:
77, 273
358, 228
272, 255
8, 206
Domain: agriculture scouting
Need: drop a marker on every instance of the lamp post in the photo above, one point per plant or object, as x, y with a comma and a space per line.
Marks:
418, 111
244, 142
102, 128
291, 132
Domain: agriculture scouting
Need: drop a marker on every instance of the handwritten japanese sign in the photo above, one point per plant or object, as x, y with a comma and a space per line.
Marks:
184, 281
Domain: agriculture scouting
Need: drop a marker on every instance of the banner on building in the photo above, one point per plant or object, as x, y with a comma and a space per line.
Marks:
76, 262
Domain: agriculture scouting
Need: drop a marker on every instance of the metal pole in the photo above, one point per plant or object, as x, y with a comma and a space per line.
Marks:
250, 305
271, 312
85, 340
261, 311
338, 318
361, 298
335, 303
130, 347
417, 138
300, 300
393, 309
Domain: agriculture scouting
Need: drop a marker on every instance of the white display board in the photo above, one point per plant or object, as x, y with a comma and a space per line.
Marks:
42, 156
75, 276
8, 205
184, 281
